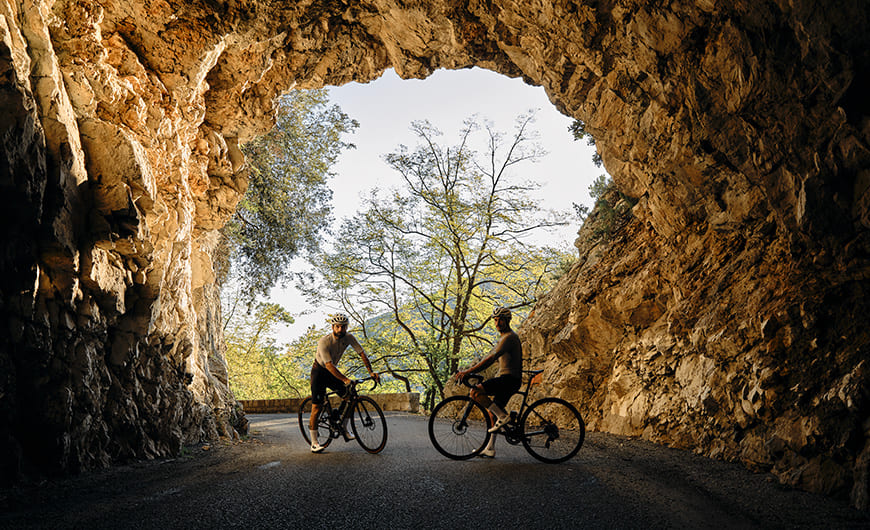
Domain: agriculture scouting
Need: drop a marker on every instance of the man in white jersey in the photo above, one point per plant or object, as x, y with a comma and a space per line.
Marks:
324, 373
508, 351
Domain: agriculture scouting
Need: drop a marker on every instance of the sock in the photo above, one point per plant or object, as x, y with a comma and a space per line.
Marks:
313, 436
491, 445
498, 411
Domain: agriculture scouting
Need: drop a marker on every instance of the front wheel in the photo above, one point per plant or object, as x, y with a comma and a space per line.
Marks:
458, 427
369, 425
553, 430
322, 423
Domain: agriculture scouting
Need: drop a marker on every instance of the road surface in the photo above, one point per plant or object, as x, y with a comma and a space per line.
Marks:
272, 480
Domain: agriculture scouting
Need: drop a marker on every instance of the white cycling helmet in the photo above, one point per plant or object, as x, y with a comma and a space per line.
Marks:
338, 318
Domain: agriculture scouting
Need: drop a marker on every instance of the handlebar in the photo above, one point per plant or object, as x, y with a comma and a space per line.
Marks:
354, 382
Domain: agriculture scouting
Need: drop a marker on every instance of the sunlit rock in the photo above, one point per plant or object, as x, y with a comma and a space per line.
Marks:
725, 310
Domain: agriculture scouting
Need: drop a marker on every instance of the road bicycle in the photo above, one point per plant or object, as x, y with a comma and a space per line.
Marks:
365, 416
550, 429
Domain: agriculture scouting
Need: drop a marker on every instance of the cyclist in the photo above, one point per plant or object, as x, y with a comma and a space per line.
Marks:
325, 374
509, 354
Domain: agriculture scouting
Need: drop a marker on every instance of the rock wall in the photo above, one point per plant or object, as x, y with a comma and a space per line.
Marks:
727, 311
724, 315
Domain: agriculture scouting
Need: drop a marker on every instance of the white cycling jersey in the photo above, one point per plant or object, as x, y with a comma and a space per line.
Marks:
330, 349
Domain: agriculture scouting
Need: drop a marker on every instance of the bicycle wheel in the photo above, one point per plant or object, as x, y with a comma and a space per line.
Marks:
369, 425
322, 424
458, 427
553, 430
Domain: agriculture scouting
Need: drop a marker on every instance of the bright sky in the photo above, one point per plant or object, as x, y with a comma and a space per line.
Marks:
385, 109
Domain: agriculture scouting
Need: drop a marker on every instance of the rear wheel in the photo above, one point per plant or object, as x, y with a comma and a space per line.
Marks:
369, 425
553, 430
458, 427
322, 423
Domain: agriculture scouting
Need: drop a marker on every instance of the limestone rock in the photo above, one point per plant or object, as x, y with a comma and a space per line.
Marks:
725, 313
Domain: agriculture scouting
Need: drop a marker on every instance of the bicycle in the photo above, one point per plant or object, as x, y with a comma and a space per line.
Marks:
366, 419
550, 429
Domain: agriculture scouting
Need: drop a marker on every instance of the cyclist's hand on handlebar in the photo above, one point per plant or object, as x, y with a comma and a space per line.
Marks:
459, 376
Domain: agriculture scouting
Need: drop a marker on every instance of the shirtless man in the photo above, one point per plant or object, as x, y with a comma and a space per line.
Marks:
509, 354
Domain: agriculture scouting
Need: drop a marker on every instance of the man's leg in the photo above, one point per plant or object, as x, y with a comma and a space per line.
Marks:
481, 397
500, 416
312, 422
317, 390
312, 428
489, 450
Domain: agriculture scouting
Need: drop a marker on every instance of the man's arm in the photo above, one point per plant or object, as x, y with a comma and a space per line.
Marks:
496, 352
334, 371
365, 359
482, 365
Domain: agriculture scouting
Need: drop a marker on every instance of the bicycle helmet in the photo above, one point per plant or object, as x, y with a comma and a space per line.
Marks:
501, 311
338, 318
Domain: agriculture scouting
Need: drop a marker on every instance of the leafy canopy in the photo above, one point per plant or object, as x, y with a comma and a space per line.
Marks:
285, 210
421, 266
287, 205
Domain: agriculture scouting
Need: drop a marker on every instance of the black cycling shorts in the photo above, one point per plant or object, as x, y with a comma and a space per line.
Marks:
501, 388
321, 379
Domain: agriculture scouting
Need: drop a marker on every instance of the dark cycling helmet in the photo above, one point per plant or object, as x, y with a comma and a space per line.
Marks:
338, 318
501, 312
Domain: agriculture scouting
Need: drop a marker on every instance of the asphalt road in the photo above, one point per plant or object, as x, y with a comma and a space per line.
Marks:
271, 480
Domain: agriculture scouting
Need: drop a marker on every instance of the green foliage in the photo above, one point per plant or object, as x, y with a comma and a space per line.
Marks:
257, 366
610, 205
287, 204
581, 211
284, 211
599, 187
563, 266
433, 257
578, 130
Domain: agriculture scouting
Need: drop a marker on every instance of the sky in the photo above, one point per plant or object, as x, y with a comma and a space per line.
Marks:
385, 109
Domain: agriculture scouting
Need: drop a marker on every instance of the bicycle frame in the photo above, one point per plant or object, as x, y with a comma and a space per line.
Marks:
525, 393
338, 421
457, 434
511, 430
512, 433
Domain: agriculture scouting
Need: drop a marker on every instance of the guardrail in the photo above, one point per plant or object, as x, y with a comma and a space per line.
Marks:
401, 401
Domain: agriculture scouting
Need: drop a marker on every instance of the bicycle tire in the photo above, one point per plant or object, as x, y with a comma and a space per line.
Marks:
369, 425
553, 430
322, 425
455, 434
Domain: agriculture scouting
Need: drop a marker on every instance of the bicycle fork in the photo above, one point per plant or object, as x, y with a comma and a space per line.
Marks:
460, 426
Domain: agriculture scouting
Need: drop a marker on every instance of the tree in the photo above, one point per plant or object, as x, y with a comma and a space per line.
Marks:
257, 366
287, 204
285, 209
433, 258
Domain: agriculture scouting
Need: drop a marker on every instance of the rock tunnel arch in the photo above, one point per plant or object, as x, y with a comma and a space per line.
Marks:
722, 318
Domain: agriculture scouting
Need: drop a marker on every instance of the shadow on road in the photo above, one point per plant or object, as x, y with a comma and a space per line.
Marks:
272, 480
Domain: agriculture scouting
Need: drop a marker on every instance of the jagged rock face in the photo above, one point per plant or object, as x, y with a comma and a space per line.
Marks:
725, 314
